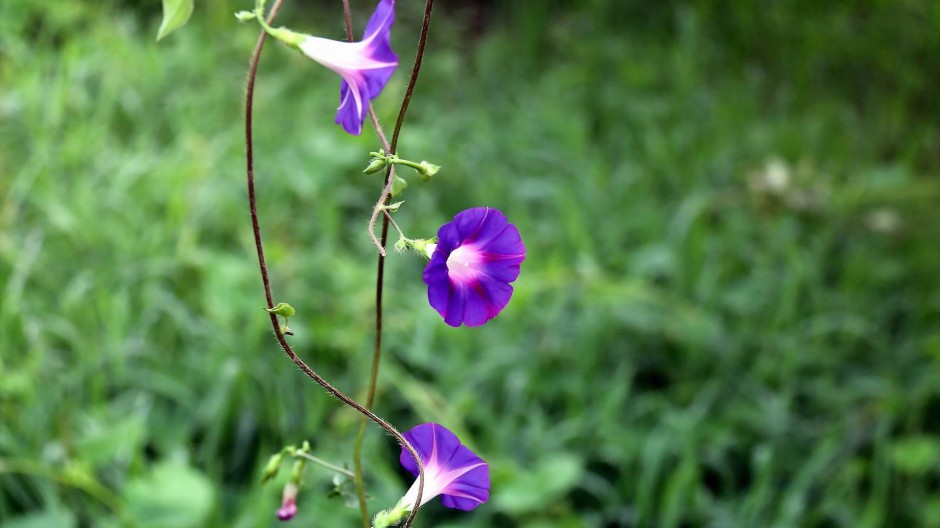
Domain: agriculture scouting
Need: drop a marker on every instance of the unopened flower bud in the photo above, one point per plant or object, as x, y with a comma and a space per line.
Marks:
272, 467
288, 502
377, 164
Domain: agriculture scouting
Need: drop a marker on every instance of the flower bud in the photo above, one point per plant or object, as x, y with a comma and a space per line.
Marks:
272, 467
377, 164
288, 502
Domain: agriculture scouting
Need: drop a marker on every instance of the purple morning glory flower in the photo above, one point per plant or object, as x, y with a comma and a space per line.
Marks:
365, 66
451, 470
476, 258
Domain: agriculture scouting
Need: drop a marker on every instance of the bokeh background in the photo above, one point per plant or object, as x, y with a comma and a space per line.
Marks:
729, 315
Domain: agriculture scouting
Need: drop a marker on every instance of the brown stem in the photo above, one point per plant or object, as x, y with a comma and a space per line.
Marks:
419, 56
269, 297
373, 376
386, 194
380, 244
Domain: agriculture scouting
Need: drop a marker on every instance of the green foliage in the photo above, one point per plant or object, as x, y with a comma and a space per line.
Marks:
170, 495
44, 519
728, 316
175, 14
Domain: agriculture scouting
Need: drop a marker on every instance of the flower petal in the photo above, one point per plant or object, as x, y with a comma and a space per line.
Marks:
456, 306
470, 491
381, 21
439, 288
351, 110
451, 469
498, 294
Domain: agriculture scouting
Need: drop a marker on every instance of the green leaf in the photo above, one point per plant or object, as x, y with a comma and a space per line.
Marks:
535, 490
104, 442
170, 496
915, 455
345, 487
175, 14
398, 186
282, 309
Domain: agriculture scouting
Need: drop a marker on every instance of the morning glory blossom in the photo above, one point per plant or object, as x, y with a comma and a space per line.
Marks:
365, 66
451, 471
476, 258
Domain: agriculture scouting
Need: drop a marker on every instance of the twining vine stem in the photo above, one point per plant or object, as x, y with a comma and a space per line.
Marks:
380, 266
269, 297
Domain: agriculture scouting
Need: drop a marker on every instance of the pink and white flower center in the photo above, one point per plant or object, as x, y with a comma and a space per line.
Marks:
463, 264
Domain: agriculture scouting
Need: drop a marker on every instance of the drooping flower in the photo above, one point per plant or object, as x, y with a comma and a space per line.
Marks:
476, 258
288, 502
365, 66
451, 471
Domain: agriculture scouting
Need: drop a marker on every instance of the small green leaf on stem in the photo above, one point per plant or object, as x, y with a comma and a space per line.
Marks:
428, 169
245, 16
175, 14
344, 487
399, 185
282, 309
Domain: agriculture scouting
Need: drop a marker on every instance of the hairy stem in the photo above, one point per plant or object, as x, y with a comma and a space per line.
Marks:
380, 266
269, 297
360, 435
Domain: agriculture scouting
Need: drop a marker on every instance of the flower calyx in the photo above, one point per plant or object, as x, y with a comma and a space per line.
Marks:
380, 160
422, 246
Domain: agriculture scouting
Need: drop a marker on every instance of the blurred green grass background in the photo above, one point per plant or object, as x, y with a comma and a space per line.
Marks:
729, 314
